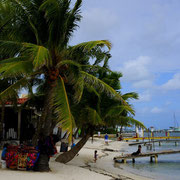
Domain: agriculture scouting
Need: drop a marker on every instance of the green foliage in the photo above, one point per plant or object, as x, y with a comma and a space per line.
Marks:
34, 42
62, 108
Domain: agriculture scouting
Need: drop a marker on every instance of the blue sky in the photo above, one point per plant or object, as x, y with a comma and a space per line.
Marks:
145, 37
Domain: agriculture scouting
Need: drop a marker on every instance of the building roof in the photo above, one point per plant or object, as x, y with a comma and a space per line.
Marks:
19, 101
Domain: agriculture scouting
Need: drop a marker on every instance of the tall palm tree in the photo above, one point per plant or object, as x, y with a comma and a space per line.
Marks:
35, 34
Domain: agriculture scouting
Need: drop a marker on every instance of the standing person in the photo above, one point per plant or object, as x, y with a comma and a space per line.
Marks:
106, 139
99, 134
73, 143
95, 155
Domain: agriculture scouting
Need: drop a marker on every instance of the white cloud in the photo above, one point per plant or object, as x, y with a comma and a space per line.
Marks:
137, 72
172, 84
143, 84
156, 110
144, 97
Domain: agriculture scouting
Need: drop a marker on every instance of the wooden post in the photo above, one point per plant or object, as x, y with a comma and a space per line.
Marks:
124, 160
19, 124
155, 159
151, 159
133, 160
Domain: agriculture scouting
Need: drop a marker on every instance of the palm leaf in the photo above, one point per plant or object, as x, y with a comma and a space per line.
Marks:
131, 95
93, 117
74, 77
11, 91
39, 54
10, 48
12, 60
68, 62
102, 86
73, 18
88, 46
62, 108
132, 121
16, 69
56, 13
117, 110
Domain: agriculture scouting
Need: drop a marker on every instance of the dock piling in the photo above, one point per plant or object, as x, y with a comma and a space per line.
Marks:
155, 159
151, 159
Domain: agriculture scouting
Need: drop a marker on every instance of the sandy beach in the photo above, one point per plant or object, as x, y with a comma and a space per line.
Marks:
82, 167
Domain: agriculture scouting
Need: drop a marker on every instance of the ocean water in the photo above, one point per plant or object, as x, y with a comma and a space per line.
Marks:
167, 168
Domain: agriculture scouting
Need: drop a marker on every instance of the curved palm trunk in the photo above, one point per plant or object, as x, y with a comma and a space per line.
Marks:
68, 156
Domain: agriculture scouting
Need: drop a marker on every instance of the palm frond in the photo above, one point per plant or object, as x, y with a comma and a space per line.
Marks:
89, 116
9, 48
39, 54
88, 46
71, 23
68, 62
56, 13
62, 107
74, 78
11, 91
16, 69
102, 86
117, 110
93, 117
131, 95
95, 68
133, 121
12, 60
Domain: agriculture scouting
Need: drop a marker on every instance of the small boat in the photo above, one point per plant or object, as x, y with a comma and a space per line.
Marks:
176, 125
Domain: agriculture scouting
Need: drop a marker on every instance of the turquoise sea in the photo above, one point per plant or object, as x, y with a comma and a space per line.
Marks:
168, 166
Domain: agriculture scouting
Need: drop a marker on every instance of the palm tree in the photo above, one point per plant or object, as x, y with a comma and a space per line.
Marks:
97, 110
35, 35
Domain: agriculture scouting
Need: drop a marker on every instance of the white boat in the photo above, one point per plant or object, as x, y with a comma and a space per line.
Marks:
176, 125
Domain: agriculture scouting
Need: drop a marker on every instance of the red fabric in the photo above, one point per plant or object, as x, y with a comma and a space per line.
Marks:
15, 152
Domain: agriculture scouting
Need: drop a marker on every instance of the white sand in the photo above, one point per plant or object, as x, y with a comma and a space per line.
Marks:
82, 167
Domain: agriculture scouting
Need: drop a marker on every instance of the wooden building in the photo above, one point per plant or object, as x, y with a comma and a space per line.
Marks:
18, 122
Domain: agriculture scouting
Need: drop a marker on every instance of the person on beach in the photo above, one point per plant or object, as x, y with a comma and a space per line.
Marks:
137, 152
106, 139
4, 151
73, 144
3, 155
95, 155
120, 138
99, 134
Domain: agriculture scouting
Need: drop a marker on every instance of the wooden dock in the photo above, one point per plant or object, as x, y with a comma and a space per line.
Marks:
154, 141
151, 138
152, 155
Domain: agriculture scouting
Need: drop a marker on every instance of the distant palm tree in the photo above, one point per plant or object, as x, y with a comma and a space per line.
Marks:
97, 110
